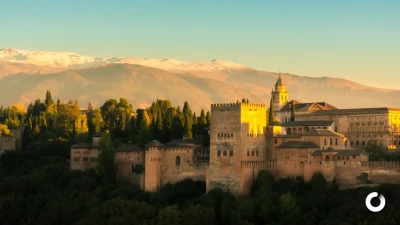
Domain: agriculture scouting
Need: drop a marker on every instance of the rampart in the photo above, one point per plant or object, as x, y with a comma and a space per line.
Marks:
345, 174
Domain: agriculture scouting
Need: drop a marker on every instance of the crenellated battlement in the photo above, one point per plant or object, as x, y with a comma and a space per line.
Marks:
7, 139
235, 106
381, 164
226, 106
258, 164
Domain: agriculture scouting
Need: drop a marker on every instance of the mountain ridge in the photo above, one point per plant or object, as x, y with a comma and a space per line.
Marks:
199, 83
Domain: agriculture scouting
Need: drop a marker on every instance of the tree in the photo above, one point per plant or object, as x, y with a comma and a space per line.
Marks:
271, 112
208, 118
144, 135
187, 114
293, 112
106, 167
170, 215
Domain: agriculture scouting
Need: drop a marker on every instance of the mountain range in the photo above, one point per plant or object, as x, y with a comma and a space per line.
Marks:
26, 75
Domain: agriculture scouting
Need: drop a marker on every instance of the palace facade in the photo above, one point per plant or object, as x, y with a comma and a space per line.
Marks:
318, 137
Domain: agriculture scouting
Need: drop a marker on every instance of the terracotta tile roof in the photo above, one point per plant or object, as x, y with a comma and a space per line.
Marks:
382, 110
298, 144
307, 123
83, 145
154, 143
338, 152
308, 106
322, 132
98, 134
128, 148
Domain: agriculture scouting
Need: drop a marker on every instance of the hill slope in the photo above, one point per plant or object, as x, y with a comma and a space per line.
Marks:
26, 75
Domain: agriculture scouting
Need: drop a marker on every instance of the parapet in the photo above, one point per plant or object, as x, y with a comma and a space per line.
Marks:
7, 139
234, 106
258, 164
381, 164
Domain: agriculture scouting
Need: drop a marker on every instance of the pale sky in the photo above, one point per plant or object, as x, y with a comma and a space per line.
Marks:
356, 40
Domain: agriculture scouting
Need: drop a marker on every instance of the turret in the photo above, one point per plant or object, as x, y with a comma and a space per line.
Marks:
280, 95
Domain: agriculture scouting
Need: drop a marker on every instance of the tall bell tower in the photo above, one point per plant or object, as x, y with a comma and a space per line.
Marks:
280, 95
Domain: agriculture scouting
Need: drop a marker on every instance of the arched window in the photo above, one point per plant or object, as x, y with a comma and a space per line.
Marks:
218, 135
327, 158
178, 160
231, 134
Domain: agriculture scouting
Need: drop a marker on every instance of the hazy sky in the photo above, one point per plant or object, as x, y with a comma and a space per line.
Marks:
359, 41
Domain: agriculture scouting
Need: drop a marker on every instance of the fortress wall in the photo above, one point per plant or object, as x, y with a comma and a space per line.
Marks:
172, 173
224, 171
250, 170
378, 172
152, 181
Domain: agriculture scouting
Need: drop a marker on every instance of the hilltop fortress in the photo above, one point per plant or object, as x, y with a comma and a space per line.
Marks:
303, 138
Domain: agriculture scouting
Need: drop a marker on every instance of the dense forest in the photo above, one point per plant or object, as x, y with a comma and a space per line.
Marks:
67, 122
37, 187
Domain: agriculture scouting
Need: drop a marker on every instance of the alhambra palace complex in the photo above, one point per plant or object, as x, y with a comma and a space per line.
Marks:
320, 138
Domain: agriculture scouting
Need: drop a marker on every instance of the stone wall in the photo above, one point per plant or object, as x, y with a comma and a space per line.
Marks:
153, 157
83, 158
173, 171
7, 143
344, 174
224, 170
18, 134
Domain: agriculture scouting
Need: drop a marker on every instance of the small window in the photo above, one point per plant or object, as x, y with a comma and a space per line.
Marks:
347, 158
178, 160
230, 153
231, 134
354, 156
248, 153
256, 153
325, 141
336, 142
252, 153
276, 141
225, 153
330, 141
218, 153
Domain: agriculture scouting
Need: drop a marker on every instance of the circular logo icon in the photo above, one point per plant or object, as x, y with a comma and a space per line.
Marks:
373, 208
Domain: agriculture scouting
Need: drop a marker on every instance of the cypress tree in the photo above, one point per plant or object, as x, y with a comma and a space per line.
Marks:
293, 112
106, 167
187, 113
271, 112
208, 118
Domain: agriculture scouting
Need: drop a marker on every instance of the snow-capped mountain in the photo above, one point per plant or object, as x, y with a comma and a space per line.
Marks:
72, 60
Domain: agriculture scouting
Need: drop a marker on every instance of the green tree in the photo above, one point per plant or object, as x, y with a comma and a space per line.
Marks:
208, 118
106, 167
293, 112
144, 135
188, 117
170, 215
271, 112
